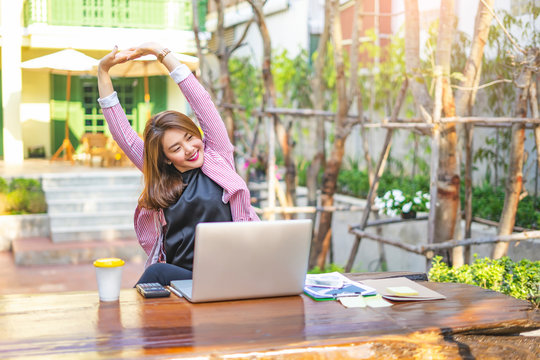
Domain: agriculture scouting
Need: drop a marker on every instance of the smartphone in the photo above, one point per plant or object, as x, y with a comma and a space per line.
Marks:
152, 290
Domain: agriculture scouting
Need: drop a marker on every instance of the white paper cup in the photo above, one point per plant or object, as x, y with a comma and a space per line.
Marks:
109, 278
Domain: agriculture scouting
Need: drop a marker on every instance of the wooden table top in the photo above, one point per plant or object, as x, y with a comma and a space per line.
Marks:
77, 325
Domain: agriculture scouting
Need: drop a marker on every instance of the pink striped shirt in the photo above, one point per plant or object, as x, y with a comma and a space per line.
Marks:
218, 162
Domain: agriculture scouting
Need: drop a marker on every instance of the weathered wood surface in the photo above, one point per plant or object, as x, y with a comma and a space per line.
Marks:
77, 326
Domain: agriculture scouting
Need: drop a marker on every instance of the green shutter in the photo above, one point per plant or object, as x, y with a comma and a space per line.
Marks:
157, 86
85, 111
58, 111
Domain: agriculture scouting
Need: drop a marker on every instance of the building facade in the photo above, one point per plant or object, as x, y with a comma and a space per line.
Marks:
34, 102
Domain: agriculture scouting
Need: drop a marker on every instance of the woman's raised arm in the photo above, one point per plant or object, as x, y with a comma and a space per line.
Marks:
215, 133
121, 130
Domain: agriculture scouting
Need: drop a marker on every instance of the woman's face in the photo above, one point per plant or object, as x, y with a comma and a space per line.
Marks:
184, 150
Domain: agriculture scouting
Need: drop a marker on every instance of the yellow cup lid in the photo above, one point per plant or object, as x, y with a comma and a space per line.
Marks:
109, 262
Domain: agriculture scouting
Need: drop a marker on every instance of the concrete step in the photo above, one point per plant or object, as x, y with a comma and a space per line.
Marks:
75, 220
60, 206
93, 192
92, 233
105, 178
41, 251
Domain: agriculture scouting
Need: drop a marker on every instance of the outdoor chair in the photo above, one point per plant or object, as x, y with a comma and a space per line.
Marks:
94, 147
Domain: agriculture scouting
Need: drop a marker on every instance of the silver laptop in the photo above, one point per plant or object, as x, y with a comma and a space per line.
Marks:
243, 260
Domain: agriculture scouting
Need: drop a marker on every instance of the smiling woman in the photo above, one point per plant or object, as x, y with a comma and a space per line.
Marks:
183, 148
188, 178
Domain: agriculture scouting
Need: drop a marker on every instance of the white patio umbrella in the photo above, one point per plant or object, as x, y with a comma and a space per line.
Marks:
146, 66
67, 62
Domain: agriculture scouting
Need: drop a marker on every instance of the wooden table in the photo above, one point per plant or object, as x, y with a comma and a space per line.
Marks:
77, 326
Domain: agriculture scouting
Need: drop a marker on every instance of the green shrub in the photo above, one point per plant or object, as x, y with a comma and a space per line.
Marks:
17, 201
488, 203
518, 279
355, 182
22, 196
26, 184
36, 202
4, 186
329, 268
3, 203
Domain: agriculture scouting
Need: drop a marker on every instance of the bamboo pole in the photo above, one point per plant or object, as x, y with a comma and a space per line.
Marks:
533, 97
271, 167
306, 209
477, 120
468, 185
364, 234
435, 136
380, 222
495, 224
428, 248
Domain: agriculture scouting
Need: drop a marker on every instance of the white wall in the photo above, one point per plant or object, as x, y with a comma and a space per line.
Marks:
288, 30
35, 110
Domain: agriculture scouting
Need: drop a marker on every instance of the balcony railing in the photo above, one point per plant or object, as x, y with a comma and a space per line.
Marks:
140, 14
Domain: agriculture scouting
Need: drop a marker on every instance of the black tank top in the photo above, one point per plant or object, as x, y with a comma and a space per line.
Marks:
200, 202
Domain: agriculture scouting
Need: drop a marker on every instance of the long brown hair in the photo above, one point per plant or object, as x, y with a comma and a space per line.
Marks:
163, 183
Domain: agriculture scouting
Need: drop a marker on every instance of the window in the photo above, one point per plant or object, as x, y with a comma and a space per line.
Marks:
94, 122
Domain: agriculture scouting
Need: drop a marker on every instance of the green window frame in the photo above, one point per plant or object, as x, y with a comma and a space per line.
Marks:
94, 122
85, 114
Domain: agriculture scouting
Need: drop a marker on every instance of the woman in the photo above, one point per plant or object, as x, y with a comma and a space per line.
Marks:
188, 177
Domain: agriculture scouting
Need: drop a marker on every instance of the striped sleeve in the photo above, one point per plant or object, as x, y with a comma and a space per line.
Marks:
215, 133
145, 228
124, 135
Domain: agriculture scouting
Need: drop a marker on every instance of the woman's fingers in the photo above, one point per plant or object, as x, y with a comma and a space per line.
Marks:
122, 56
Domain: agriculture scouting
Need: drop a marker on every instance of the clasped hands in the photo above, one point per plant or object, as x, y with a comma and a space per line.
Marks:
118, 57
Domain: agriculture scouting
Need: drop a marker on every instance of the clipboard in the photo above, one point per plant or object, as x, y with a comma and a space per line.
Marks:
403, 289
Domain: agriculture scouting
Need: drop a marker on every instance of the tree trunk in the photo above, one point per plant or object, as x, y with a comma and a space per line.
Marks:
412, 60
195, 21
514, 182
471, 73
269, 98
534, 111
223, 55
465, 97
342, 130
318, 101
448, 178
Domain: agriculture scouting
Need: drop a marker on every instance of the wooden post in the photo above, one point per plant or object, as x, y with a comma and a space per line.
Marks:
534, 112
469, 128
435, 135
514, 182
271, 176
378, 173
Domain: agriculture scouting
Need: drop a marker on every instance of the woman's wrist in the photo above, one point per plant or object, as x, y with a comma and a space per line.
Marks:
103, 70
154, 49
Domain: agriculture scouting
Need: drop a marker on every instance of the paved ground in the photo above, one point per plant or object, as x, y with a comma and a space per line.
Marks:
52, 278
55, 278
35, 167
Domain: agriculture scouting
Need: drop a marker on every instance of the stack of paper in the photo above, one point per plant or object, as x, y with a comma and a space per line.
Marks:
332, 286
403, 289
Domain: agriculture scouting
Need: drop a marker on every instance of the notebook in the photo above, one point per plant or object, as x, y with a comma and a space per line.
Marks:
244, 260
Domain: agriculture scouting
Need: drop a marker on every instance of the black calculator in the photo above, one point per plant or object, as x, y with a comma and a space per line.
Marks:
152, 290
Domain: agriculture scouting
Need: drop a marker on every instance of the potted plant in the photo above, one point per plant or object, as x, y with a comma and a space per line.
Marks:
395, 202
